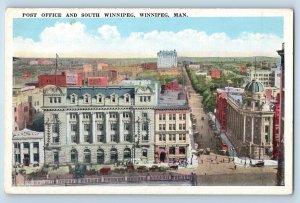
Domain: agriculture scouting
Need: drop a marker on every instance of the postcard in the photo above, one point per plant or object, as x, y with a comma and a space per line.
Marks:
148, 101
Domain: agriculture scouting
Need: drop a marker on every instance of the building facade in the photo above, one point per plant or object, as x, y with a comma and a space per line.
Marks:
265, 76
250, 122
172, 128
96, 125
28, 147
167, 59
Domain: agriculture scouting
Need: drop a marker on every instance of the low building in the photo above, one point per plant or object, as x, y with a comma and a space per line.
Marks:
62, 80
172, 127
28, 147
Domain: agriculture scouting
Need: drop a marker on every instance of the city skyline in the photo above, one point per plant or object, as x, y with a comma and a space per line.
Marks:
113, 38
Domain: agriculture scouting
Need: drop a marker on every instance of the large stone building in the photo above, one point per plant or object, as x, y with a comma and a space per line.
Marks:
28, 147
167, 59
172, 127
250, 122
265, 76
98, 125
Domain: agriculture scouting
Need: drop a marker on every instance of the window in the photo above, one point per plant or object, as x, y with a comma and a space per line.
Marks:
74, 127
87, 127
55, 128
87, 156
35, 145
126, 98
180, 116
75, 138
99, 99
145, 115
112, 115
149, 98
55, 139
86, 116
144, 153
164, 117
99, 115
180, 126
126, 115
172, 150
162, 137
100, 138
181, 150
160, 117
113, 126
59, 100
74, 156
126, 126
113, 98
174, 117
127, 137
55, 157
51, 100
86, 138
73, 99
145, 126
164, 127
36, 157
100, 156
86, 98
141, 99
174, 126
170, 116
183, 127
100, 126
145, 99
172, 137
160, 126
113, 138
73, 115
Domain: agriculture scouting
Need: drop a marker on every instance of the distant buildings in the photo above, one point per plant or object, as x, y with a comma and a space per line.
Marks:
167, 59
215, 74
63, 80
40, 62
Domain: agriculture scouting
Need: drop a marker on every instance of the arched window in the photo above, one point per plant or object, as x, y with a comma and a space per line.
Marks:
86, 99
99, 98
74, 156
113, 155
87, 156
127, 98
127, 153
73, 98
100, 156
113, 98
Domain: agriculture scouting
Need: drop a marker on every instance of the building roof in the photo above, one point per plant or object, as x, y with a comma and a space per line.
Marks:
106, 91
254, 86
172, 99
27, 134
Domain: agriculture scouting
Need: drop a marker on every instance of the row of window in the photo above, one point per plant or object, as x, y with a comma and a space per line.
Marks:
100, 127
74, 116
100, 155
171, 137
145, 98
99, 99
55, 100
162, 117
102, 138
172, 127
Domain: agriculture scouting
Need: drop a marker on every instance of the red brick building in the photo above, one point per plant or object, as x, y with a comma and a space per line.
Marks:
276, 134
149, 66
97, 81
215, 73
221, 109
62, 80
171, 86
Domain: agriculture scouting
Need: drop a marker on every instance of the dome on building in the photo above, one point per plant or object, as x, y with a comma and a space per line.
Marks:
254, 86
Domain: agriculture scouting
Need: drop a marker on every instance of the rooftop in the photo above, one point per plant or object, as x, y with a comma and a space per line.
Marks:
106, 91
172, 99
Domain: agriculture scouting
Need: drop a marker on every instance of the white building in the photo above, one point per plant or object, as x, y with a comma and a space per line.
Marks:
167, 59
97, 125
265, 76
28, 147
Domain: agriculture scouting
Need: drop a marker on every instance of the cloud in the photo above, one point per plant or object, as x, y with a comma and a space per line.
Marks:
74, 40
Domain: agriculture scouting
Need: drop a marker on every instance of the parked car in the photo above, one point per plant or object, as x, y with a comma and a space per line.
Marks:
142, 169
154, 168
105, 171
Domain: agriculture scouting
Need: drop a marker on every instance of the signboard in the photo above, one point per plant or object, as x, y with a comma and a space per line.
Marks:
71, 79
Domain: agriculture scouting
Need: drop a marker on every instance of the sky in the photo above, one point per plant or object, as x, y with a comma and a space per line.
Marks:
144, 37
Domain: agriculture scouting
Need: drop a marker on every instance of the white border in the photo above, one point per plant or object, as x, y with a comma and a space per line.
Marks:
241, 190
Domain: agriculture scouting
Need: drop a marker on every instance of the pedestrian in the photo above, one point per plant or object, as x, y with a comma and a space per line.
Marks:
234, 167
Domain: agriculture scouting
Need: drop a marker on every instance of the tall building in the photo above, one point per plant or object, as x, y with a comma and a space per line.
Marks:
172, 127
250, 122
281, 156
265, 76
167, 59
99, 125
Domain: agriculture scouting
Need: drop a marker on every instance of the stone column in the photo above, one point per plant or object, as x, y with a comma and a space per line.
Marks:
121, 131
252, 129
94, 127
244, 133
80, 128
31, 152
41, 153
21, 152
68, 140
107, 129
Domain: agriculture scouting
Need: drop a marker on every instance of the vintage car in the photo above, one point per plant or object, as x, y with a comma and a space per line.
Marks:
105, 171
142, 169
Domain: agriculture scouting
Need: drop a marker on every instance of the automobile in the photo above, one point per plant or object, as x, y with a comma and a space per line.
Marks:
154, 168
142, 169
105, 171
259, 164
